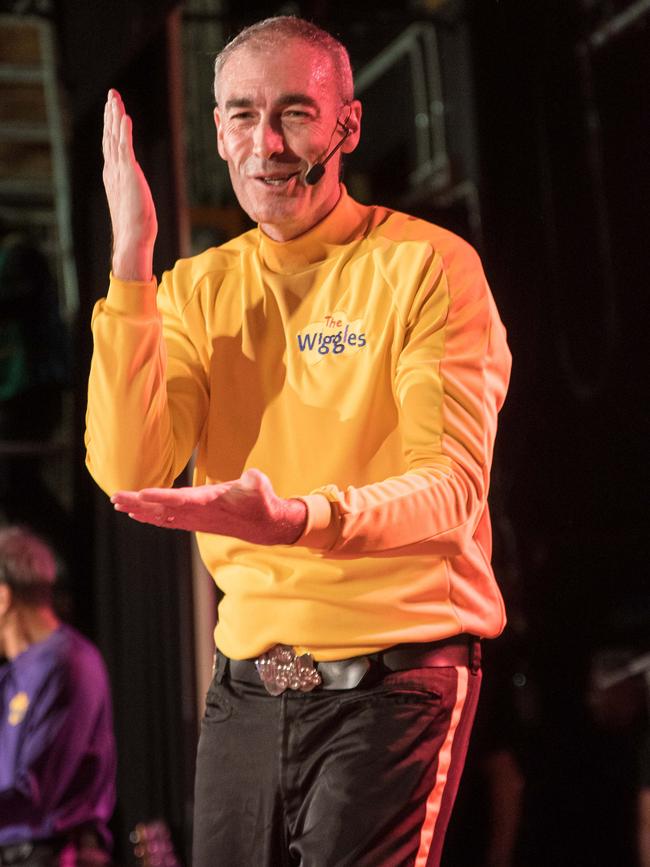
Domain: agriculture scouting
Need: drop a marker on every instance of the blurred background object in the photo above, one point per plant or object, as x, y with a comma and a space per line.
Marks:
38, 285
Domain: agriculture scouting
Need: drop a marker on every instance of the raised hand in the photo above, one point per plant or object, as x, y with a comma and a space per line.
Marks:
133, 213
247, 508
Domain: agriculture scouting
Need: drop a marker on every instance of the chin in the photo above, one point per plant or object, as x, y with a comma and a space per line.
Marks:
276, 212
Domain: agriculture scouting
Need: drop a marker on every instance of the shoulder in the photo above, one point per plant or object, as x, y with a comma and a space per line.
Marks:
417, 257
77, 657
399, 231
207, 268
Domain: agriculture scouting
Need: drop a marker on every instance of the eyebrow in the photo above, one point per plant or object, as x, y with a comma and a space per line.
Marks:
238, 102
284, 99
302, 98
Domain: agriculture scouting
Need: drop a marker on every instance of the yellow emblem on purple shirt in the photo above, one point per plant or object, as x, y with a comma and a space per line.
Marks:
18, 708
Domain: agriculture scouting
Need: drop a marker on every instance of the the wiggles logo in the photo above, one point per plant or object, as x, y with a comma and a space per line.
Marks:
332, 335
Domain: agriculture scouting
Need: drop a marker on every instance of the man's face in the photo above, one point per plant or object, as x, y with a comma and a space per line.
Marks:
277, 115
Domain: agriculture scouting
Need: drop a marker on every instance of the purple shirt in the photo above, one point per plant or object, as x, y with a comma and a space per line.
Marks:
57, 749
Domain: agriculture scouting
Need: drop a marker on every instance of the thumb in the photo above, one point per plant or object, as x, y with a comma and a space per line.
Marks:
254, 480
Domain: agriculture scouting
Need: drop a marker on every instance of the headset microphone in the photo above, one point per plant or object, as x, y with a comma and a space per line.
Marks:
317, 171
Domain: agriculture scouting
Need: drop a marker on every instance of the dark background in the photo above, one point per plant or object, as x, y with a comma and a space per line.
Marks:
558, 152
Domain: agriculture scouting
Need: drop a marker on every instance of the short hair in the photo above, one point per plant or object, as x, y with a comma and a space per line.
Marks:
265, 33
27, 566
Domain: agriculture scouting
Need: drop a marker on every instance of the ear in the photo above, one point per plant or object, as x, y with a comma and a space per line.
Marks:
219, 126
353, 123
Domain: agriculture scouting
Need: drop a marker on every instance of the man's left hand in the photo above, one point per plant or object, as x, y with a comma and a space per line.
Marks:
247, 508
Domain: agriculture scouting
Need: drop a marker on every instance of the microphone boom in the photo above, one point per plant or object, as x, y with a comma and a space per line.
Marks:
317, 171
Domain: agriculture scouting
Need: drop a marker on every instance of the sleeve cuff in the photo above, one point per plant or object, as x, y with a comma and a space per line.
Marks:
132, 297
321, 529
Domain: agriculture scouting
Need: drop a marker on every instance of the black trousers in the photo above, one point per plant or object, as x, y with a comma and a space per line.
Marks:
345, 778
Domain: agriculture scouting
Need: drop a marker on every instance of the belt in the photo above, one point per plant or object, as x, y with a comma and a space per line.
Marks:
459, 650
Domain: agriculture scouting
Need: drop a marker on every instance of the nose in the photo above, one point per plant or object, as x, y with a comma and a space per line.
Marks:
267, 140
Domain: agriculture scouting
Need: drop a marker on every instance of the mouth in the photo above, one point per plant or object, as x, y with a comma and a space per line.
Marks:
276, 180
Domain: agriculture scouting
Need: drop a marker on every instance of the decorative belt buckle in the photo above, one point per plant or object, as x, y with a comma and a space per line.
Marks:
279, 669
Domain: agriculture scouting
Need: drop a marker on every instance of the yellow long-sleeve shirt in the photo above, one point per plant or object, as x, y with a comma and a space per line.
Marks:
361, 366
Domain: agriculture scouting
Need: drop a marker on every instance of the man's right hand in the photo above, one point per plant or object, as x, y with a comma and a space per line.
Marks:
133, 213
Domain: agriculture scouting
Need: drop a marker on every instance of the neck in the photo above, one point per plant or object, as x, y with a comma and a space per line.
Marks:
25, 626
288, 231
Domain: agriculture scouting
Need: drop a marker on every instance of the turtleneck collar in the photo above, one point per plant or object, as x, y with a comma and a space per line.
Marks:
344, 223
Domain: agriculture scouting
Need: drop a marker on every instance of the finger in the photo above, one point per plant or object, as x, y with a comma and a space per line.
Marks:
126, 509
113, 128
147, 514
161, 516
126, 139
150, 513
125, 500
108, 129
105, 130
171, 497
201, 495
117, 104
156, 519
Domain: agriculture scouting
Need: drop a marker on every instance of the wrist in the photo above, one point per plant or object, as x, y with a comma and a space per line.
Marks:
133, 262
295, 513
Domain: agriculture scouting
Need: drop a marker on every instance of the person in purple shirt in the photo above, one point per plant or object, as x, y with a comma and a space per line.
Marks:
57, 748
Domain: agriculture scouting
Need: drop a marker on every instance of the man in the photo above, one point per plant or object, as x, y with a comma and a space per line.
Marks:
340, 369
57, 751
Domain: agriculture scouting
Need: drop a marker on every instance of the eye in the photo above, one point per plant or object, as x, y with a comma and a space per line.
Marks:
296, 114
241, 115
